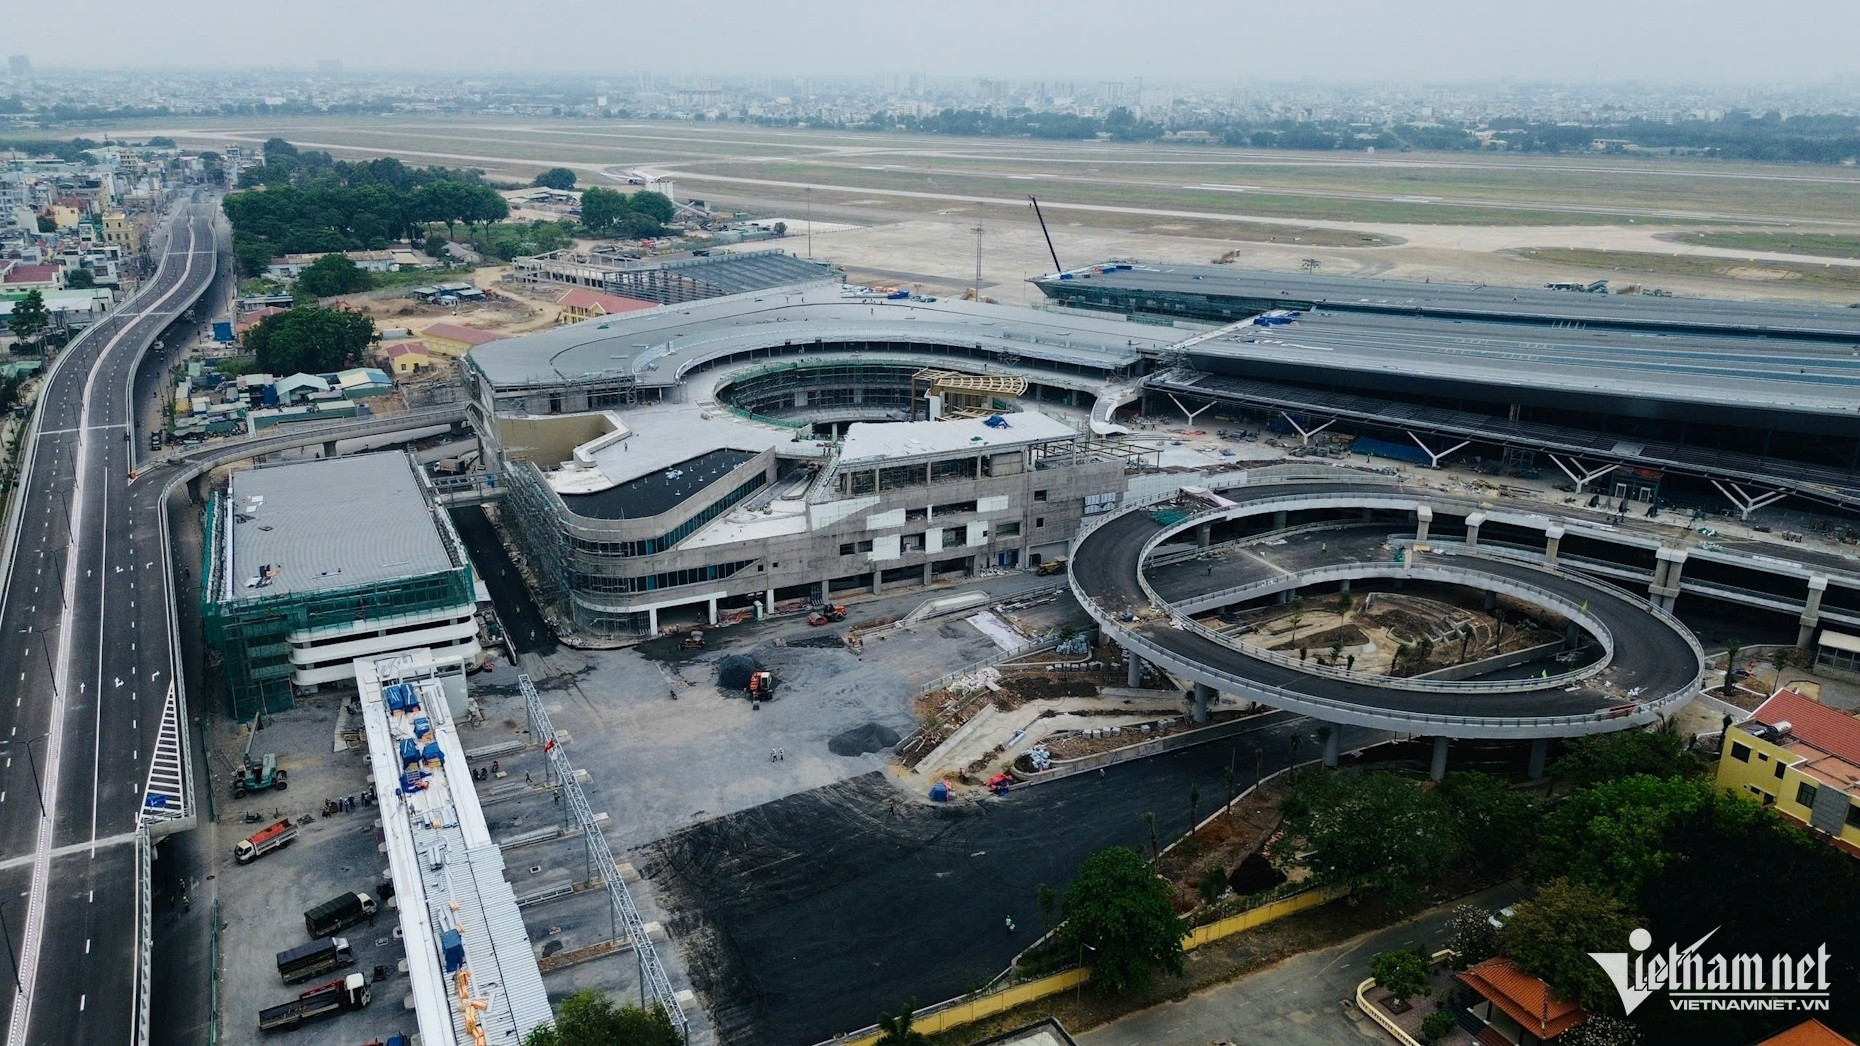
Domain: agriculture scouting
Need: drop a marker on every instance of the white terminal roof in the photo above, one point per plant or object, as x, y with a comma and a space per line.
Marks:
657, 347
875, 442
336, 523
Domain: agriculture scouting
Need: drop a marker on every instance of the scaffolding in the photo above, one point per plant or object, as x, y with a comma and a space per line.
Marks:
250, 638
969, 395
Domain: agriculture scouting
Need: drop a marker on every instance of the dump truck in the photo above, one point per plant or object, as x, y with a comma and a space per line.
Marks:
258, 776
1051, 567
339, 913
324, 1000
307, 960
263, 841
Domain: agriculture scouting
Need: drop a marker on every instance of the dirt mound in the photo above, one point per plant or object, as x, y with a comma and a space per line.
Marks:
734, 670
872, 737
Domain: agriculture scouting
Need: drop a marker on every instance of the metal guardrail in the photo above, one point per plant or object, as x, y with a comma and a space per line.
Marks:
1521, 589
1354, 571
1421, 722
145, 920
652, 971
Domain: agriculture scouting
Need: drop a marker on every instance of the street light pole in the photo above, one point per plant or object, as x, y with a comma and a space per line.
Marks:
33, 765
12, 960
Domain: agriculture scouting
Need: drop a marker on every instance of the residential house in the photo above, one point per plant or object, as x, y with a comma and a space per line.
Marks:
453, 339
22, 277
1801, 757
288, 267
359, 383
248, 320
119, 229
407, 357
1516, 1007
584, 304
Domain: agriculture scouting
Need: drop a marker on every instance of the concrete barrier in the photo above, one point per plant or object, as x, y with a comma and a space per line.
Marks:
1495, 663
1142, 749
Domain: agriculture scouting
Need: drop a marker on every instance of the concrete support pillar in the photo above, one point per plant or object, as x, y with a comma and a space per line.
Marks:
1203, 694
929, 572
1204, 535
768, 601
1331, 745
1368, 514
1423, 517
1473, 522
329, 448
1278, 520
713, 610
1811, 614
1540, 750
823, 589
1491, 601
1553, 537
878, 580
1439, 769
1572, 636
652, 621
969, 567
1133, 668
1669, 564
1284, 597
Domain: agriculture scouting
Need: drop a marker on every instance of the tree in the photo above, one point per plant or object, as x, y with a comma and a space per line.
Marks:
896, 1030
309, 339
1118, 907
655, 205
1731, 650
1470, 935
1613, 834
1659, 752
1344, 602
1552, 934
330, 275
1439, 1024
161, 141
1498, 627
30, 317
1377, 833
1403, 972
47, 223
555, 178
434, 246
1297, 618
781, 229
601, 209
1466, 638
639, 225
589, 1018
80, 279
1401, 654
1495, 824
1780, 659
1425, 651
1048, 900
1602, 1029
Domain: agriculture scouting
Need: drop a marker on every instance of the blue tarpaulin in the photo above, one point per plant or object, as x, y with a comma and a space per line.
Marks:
422, 726
1378, 448
409, 751
432, 752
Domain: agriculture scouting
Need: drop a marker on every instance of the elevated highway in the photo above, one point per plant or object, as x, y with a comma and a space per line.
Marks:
93, 745
1650, 664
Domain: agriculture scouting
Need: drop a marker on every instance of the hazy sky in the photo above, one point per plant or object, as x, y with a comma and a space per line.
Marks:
1576, 41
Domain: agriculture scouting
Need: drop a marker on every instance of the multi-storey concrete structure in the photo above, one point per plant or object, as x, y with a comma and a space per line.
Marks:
1801, 757
697, 475
312, 565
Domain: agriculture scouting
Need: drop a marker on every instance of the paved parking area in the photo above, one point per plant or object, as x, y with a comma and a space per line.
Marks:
262, 903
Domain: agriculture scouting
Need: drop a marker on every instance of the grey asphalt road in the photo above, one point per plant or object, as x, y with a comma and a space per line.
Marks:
85, 594
1298, 1002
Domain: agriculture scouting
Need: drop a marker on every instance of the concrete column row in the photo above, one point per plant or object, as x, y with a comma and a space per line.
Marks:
1811, 614
1668, 564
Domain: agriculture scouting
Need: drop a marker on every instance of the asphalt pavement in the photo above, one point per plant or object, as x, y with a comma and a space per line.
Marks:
84, 621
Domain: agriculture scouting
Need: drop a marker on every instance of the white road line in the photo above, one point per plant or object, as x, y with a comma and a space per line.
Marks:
103, 600
33, 934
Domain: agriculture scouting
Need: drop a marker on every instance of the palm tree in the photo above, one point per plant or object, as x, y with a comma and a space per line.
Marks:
1298, 615
1731, 650
1401, 654
1336, 651
897, 1031
1344, 602
1466, 635
1427, 650
1498, 627
1194, 806
1292, 763
1149, 821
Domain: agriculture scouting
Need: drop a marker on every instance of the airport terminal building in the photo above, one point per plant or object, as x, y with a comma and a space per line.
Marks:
737, 453
311, 565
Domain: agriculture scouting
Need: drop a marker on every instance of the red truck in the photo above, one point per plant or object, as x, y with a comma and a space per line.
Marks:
262, 842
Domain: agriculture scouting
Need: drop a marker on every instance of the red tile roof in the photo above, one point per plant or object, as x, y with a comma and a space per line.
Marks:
610, 304
1832, 731
1524, 998
31, 274
1810, 1032
402, 348
468, 335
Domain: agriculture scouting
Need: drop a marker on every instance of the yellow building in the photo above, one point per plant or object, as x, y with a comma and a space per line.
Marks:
453, 339
1801, 757
118, 229
407, 357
